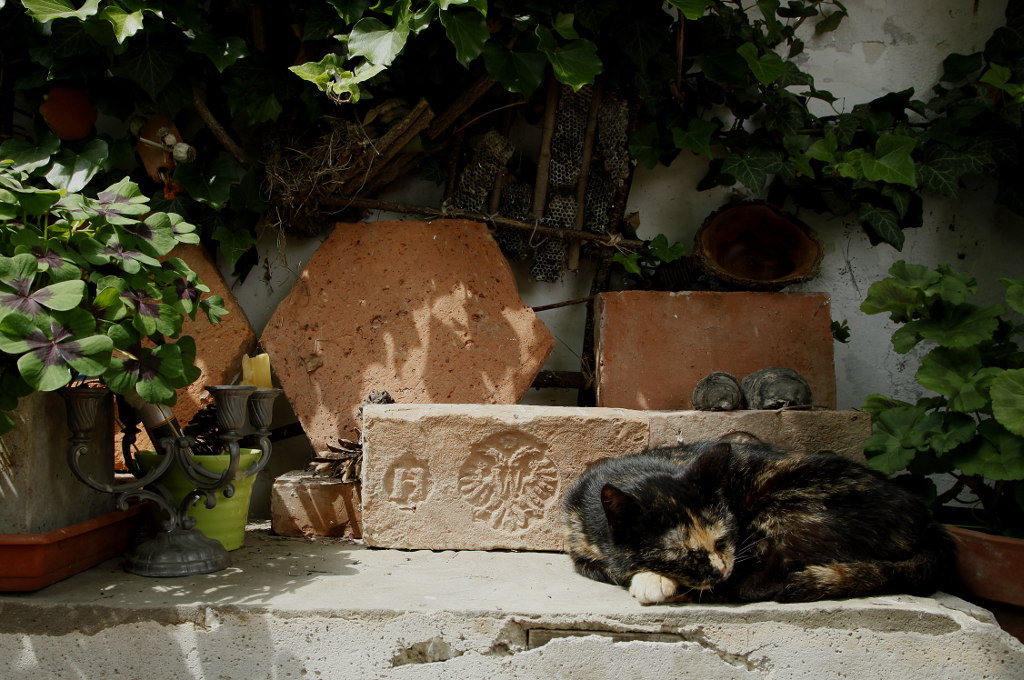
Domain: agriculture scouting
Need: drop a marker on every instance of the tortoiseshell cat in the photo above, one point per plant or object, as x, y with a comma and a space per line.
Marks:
721, 522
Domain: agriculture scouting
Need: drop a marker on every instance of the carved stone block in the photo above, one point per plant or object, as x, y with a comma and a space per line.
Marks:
474, 477
481, 477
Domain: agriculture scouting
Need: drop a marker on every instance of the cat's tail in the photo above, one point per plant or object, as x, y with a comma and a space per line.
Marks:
928, 570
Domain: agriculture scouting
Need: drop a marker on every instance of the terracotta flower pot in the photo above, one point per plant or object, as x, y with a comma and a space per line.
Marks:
33, 561
990, 568
226, 520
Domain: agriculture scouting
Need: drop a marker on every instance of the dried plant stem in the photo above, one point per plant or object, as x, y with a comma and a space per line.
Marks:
540, 184
216, 128
458, 107
423, 210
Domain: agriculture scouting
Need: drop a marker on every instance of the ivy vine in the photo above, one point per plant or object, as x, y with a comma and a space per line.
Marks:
716, 78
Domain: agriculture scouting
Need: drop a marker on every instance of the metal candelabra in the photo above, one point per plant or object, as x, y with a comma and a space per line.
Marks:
179, 549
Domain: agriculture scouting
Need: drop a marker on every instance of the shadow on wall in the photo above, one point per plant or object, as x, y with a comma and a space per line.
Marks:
429, 312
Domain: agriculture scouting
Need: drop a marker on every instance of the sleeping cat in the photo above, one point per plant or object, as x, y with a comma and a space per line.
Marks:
729, 522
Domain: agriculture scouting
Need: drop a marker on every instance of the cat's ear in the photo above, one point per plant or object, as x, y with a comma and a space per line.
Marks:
620, 508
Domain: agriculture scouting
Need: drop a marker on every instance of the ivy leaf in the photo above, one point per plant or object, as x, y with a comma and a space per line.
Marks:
629, 261
692, 9
48, 10
575, 63
696, 137
957, 67
125, 24
958, 375
467, 30
211, 185
223, 52
350, 10
515, 70
377, 42
1007, 392
830, 22
892, 161
71, 171
883, 224
644, 146
754, 167
767, 68
151, 67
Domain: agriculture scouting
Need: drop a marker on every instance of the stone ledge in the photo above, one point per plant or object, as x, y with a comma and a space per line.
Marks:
485, 477
333, 608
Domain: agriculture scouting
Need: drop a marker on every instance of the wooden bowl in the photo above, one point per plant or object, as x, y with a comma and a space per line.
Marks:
754, 245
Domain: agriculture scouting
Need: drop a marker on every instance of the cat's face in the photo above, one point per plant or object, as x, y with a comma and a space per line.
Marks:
698, 551
674, 531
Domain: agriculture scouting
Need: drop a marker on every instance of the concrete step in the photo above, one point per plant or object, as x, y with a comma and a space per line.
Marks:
331, 608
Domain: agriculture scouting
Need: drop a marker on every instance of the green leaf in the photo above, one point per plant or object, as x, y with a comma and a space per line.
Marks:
697, 136
892, 161
210, 185
72, 172
754, 167
575, 63
350, 10
48, 10
957, 67
563, 25
1007, 392
467, 30
997, 454
377, 42
629, 261
830, 22
824, 149
958, 375
125, 24
222, 51
896, 438
767, 68
150, 66
959, 326
1014, 294
692, 9
517, 71
28, 156
883, 223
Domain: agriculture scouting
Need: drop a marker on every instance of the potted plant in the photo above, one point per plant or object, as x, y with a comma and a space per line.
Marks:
90, 295
969, 432
226, 520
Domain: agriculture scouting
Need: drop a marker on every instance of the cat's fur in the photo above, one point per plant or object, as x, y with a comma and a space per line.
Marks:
729, 522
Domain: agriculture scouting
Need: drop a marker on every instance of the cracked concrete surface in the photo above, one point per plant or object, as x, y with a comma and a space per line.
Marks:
327, 608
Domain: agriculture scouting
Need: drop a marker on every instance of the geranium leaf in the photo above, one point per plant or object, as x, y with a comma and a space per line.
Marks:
1007, 392
997, 454
958, 375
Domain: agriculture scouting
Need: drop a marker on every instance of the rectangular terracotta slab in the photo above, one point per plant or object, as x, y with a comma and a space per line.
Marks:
653, 348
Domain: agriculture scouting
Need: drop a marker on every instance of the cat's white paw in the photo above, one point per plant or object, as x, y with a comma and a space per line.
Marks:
651, 588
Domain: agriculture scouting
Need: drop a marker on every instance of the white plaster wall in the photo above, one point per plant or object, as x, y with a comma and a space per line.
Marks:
881, 47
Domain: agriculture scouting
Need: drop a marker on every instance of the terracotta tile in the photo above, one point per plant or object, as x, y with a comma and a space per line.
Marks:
653, 348
302, 504
428, 311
